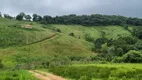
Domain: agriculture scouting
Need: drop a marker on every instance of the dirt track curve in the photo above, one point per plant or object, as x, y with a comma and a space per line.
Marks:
52, 36
45, 76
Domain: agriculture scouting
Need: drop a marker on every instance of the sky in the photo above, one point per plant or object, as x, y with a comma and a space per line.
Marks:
129, 8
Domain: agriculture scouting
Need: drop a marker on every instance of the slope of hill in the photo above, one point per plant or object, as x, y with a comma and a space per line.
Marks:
61, 46
50, 46
93, 31
13, 34
32, 47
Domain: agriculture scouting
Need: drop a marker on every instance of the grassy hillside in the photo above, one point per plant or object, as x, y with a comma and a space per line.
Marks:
52, 46
16, 75
94, 31
63, 45
100, 72
60, 46
12, 34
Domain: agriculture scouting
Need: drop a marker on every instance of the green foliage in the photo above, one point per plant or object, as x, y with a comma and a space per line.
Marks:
72, 34
8, 16
109, 49
126, 74
117, 60
137, 32
47, 19
10, 37
0, 15
138, 45
28, 17
37, 17
125, 27
87, 20
121, 45
92, 20
98, 43
95, 72
56, 61
24, 61
20, 16
89, 38
85, 78
1, 65
16, 75
12, 33
58, 30
133, 57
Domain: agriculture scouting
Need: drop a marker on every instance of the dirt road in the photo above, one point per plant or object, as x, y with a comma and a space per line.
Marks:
45, 76
52, 36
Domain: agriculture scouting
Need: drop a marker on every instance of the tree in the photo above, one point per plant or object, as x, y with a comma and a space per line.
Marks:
98, 42
8, 16
28, 17
20, 16
137, 32
1, 65
0, 14
88, 37
34, 17
37, 17
132, 57
72, 34
47, 19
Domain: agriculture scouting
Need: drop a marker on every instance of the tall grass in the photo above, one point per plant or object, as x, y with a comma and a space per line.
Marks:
95, 72
16, 75
95, 32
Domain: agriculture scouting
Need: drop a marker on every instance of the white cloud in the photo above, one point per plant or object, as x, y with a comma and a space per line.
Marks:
62, 7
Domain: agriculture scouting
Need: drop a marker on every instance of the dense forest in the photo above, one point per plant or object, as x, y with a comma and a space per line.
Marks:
87, 20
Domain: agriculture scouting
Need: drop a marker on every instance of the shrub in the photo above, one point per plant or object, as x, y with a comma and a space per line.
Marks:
71, 34
10, 37
89, 38
82, 72
1, 65
58, 30
85, 78
133, 57
95, 72
137, 32
138, 45
16, 75
31, 23
125, 27
98, 43
117, 60
116, 47
55, 62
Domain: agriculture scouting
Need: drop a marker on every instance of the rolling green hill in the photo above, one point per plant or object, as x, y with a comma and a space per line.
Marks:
69, 50
94, 31
20, 46
14, 51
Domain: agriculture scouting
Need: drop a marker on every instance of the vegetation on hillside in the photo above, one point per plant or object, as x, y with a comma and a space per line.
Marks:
118, 42
16, 75
111, 42
98, 73
88, 20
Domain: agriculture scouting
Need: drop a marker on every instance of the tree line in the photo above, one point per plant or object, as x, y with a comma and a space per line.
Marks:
87, 20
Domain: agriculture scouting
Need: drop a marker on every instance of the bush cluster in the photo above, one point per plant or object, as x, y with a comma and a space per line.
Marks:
128, 48
94, 72
16, 75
